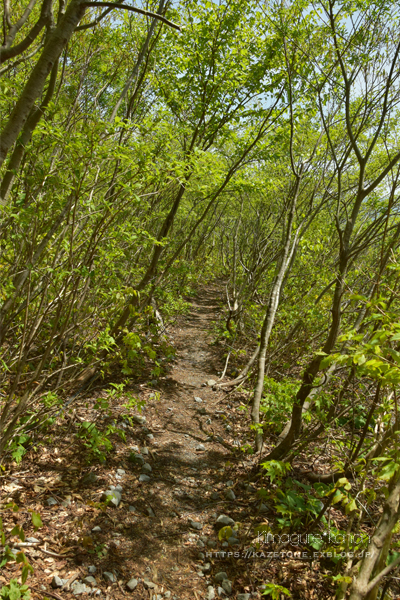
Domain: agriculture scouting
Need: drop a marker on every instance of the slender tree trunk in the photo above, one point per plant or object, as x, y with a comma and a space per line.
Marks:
314, 366
135, 72
21, 277
362, 584
25, 138
308, 378
269, 319
55, 44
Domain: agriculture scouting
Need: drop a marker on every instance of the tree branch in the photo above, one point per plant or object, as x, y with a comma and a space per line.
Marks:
140, 11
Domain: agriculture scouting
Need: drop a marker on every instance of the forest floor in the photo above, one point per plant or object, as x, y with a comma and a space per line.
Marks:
162, 537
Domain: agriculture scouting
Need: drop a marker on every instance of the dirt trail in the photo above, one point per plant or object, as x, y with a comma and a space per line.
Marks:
161, 525
188, 466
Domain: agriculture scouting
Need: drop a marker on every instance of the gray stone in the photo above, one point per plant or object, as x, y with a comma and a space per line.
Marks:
118, 488
150, 436
146, 468
210, 593
215, 496
202, 411
264, 508
220, 577
227, 585
51, 502
114, 497
89, 478
150, 512
132, 509
121, 472
196, 525
221, 591
197, 399
32, 540
137, 458
109, 577
96, 529
66, 502
90, 580
233, 541
167, 594
200, 447
211, 382
225, 544
149, 584
243, 597
201, 555
92, 569
224, 521
249, 487
200, 544
145, 451
132, 584
229, 483
78, 588
138, 419
230, 495
206, 568
144, 478
57, 582
211, 544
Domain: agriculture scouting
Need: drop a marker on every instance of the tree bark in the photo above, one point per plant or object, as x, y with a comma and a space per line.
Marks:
269, 319
362, 584
25, 138
55, 44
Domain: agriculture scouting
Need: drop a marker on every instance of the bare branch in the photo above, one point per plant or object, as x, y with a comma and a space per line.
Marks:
7, 52
20, 23
95, 22
146, 13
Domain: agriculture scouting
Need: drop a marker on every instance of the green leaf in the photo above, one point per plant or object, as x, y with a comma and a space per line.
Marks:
25, 572
36, 520
17, 530
225, 533
350, 506
21, 558
343, 482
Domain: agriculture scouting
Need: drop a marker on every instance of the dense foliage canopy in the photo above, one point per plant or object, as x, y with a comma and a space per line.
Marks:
148, 149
